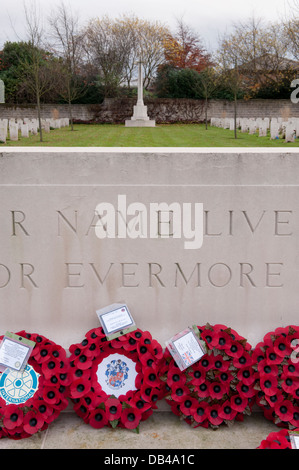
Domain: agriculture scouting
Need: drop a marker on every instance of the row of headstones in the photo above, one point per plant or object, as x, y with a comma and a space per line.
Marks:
12, 129
278, 128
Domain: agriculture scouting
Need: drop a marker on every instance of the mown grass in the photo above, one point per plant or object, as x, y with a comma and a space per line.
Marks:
164, 135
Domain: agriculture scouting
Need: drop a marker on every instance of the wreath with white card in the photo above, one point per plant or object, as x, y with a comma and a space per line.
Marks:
116, 382
33, 397
219, 387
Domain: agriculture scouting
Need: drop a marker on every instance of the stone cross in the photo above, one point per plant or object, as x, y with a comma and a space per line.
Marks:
140, 83
2, 92
140, 117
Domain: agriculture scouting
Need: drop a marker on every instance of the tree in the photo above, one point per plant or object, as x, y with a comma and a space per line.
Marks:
37, 70
68, 46
184, 49
291, 28
260, 52
229, 63
107, 50
209, 82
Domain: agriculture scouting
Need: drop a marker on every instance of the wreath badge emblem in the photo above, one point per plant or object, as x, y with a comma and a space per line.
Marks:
116, 374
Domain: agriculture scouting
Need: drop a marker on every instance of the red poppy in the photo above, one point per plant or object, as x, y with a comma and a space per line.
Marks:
216, 390
97, 418
147, 359
43, 408
264, 368
188, 405
284, 410
197, 374
207, 335
113, 409
220, 364
292, 369
12, 417
225, 378
51, 368
247, 376
207, 362
258, 353
79, 388
294, 421
151, 376
289, 384
202, 390
226, 411
269, 384
245, 390
51, 395
221, 340
199, 411
213, 415
130, 418
274, 399
282, 346
81, 409
175, 377
179, 392
239, 403
137, 402
244, 360
84, 361
32, 422
272, 356
276, 440
235, 349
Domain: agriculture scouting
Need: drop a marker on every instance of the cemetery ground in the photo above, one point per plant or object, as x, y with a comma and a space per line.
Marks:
163, 135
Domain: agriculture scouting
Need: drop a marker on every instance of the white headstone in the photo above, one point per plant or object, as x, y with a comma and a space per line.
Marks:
274, 129
290, 132
24, 130
2, 92
263, 129
3, 132
13, 131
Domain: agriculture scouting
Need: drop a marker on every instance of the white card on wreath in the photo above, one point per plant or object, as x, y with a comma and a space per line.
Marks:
116, 320
185, 348
14, 352
294, 439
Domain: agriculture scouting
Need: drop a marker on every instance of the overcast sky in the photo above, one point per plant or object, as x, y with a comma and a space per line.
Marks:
208, 18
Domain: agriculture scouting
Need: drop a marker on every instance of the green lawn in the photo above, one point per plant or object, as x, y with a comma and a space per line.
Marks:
173, 135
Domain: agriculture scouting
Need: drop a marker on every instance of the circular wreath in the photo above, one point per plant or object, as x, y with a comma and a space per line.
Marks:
40, 404
97, 378
277, 365
217, 389
277, 440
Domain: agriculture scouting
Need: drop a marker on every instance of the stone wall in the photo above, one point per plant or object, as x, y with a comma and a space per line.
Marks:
162, 110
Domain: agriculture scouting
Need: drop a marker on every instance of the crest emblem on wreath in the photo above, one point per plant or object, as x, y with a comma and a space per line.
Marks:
116, 374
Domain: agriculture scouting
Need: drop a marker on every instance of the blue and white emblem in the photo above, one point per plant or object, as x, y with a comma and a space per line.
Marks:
18, 386
116, 374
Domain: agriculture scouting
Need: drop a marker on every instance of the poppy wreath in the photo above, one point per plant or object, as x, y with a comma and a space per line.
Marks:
41, 390
277, 365
98, 385
217, 389
277, 440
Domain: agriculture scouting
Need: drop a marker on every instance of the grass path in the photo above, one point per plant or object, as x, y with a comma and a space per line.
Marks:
174, 135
